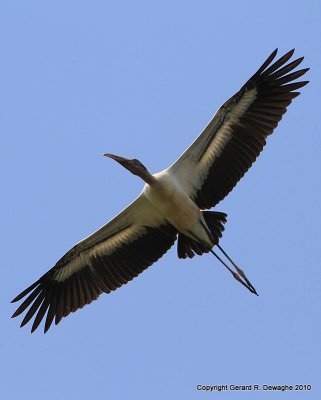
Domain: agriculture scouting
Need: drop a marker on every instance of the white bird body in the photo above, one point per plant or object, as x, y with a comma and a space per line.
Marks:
173, 203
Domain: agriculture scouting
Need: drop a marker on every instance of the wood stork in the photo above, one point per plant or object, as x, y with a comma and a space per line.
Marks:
172, 202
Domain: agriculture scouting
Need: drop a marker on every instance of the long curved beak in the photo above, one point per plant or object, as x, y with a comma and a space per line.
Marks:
119, 159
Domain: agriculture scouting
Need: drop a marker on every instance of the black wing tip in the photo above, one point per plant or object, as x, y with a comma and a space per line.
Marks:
17, 298
270, 65
304, 70
288, 54
35, 324
15, 314
302, 84
23, 323
25, 292
33, 328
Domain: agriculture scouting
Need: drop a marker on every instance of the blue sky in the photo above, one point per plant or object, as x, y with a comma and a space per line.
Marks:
141, 79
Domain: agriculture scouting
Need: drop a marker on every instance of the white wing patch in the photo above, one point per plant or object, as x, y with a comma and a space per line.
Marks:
106, 247
67, 270
224, 134
241, 107
109, 246
124, 228
190, 172
222, 137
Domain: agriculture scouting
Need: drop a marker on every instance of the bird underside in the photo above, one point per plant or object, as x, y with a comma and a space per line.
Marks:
205, 173
187, 247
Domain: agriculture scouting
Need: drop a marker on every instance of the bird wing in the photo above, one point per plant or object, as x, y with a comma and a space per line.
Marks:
104, 261
210, 168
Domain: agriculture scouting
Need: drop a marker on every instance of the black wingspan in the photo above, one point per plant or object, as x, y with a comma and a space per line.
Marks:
247, 122
97, 273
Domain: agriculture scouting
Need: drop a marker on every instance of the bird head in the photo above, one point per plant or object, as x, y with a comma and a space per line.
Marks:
133, 165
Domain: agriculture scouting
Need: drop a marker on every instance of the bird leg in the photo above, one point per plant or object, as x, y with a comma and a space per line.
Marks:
239, 270
239, 275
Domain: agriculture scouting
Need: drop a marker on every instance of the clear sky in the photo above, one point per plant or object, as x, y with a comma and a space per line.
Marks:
141, 79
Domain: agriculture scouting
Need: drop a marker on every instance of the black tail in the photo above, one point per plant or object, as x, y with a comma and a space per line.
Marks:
187, 247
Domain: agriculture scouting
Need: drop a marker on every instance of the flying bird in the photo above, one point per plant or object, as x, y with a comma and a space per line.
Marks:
174, 203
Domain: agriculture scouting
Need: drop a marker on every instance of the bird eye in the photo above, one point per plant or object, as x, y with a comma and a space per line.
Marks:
137, 162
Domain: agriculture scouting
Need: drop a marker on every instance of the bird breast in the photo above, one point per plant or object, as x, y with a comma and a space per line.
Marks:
172, 202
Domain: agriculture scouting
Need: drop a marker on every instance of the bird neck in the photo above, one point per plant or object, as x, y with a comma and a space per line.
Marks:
147, 177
